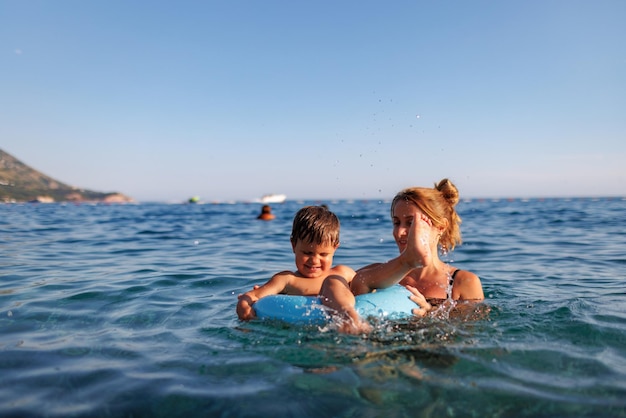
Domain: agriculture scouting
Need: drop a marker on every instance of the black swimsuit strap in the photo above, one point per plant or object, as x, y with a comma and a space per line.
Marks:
452, 281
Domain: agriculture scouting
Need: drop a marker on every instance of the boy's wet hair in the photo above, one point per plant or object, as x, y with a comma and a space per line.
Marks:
315, 224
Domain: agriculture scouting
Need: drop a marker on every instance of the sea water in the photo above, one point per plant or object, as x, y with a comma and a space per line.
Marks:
129, 311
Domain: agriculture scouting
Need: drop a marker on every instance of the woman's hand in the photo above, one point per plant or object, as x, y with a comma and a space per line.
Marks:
420, 301
418, 251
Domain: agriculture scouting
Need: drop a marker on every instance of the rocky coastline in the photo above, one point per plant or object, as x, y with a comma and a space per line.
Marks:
20, 183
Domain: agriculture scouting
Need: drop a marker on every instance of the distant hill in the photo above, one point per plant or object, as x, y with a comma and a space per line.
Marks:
21, 183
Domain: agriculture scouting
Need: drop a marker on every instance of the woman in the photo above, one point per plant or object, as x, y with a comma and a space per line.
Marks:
424, 224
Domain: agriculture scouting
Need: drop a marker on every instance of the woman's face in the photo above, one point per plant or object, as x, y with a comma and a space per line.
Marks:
404, 212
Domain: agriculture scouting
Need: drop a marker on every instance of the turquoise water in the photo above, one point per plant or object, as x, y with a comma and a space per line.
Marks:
120, 311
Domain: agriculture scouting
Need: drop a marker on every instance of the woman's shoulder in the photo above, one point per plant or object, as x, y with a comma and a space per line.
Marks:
466, 285
463, 275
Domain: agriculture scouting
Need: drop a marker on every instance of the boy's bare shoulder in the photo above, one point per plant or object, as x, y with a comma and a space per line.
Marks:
343, 270
278, 282
285, 275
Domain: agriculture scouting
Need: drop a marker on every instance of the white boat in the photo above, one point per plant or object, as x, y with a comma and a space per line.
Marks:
273, 198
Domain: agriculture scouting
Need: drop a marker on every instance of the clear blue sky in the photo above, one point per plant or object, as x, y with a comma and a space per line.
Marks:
229, 100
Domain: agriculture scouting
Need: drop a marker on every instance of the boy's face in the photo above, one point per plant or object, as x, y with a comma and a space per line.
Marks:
313, 260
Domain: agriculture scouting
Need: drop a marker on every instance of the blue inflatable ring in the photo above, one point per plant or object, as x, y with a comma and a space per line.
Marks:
390, 303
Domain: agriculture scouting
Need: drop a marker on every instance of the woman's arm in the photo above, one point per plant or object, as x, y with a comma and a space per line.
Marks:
379, 276
416, 254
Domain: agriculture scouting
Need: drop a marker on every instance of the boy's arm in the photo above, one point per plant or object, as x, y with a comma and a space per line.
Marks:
274, 286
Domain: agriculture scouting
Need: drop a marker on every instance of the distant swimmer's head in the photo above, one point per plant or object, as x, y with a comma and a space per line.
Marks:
266, 213
438, 204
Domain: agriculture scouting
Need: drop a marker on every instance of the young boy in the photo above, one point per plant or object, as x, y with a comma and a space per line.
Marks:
314, 240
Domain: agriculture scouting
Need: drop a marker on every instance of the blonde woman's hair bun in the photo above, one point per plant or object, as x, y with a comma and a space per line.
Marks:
448, 191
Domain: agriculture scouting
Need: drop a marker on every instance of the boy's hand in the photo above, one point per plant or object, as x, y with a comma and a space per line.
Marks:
244, 308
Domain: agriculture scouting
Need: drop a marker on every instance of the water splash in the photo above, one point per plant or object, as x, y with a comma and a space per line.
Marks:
444, 309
